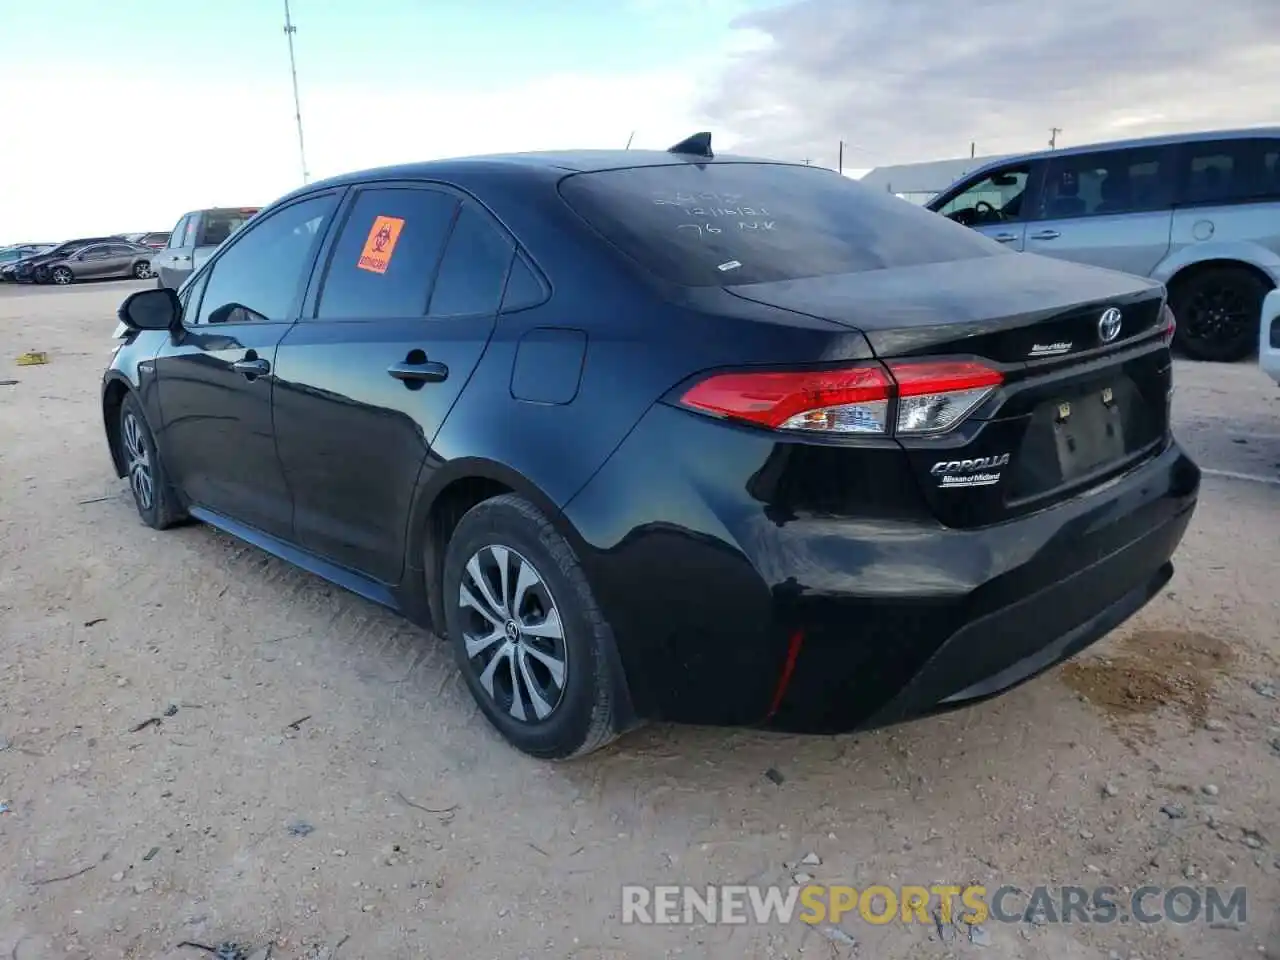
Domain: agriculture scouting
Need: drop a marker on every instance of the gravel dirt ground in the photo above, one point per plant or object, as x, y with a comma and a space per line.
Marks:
318, 781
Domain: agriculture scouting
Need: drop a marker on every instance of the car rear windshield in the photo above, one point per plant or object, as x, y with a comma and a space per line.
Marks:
220, 224
729, 223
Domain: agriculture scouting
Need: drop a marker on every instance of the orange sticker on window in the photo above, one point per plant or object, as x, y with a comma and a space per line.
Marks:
381, 243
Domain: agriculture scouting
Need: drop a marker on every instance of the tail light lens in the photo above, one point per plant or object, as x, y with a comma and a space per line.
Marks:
934, 397
906, 398
1168, 324
854, 400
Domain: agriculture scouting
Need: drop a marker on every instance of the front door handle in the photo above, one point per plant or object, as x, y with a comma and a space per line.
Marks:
1046, 235
251, 367
1005, 237
415, 374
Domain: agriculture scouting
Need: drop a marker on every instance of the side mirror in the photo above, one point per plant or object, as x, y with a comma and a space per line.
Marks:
156, 309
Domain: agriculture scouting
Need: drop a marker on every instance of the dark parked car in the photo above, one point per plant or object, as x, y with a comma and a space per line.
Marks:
155, 241
657, 435
34, 269
114, 259
11, 256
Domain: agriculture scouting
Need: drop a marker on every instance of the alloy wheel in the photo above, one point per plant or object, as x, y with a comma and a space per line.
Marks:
62, 276
142, 271
139, 462
513, 634
1218, 313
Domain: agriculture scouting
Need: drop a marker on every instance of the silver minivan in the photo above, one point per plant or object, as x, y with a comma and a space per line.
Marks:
1199, 212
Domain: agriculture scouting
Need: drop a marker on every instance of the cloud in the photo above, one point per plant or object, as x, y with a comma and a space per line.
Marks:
908, 80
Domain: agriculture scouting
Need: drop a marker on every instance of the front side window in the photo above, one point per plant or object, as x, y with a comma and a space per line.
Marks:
729, 223
94, 252
1120, 181
383, 261
259, 277
996, 198
179, 233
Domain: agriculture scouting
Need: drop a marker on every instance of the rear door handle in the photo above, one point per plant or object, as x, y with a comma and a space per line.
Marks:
251, 367
1046, 235
1005, 237
427, 371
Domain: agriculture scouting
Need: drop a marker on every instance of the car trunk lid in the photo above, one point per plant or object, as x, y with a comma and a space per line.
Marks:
1086, 372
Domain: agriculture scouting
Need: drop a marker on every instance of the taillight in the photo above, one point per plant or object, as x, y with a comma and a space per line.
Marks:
853, 400
1168, 324
909, 398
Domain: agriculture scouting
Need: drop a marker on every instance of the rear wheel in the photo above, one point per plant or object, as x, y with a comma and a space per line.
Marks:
1217, 313
142, 270
148, 482
61, 276
527, 632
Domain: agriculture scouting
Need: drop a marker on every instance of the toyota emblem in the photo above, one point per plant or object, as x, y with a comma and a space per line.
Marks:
1109, 325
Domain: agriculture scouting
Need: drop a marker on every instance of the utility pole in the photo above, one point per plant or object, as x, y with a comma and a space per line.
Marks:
1053, 137
973, 148
289, 31
629, 139
840, 161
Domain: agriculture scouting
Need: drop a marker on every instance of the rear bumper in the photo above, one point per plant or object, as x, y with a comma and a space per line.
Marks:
999, 650
732, 606
1269, 336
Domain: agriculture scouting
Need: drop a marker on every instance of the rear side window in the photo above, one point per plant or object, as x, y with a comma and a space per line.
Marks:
383, 262
1120, 181
722, 224
1229, 171
473, 269
217, 225
524, 289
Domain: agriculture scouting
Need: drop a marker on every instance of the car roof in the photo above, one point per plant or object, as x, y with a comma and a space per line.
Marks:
556, 163
1163, 140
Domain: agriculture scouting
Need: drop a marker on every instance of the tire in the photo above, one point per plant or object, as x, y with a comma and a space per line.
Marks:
61, 276
148, 481
142, 270
1217, 312
582, 717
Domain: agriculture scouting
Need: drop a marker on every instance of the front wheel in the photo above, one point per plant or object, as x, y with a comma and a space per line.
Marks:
142, 270
1218, 312
528, 635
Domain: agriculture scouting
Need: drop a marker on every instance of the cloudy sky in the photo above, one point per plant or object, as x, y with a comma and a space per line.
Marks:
129, 114
908, 80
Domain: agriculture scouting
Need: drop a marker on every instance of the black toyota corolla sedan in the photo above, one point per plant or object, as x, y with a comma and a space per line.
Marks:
669, 436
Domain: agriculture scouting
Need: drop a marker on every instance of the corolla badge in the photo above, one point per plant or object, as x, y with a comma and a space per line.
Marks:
1109, 325
978, 472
